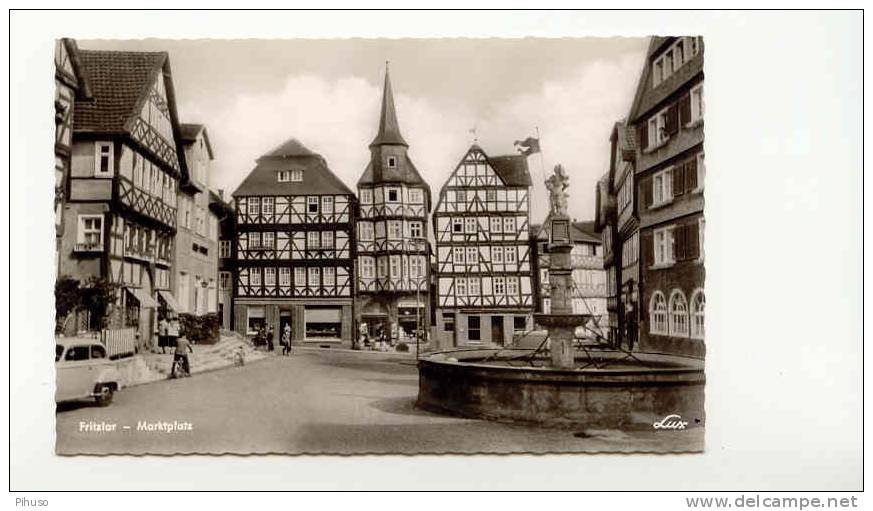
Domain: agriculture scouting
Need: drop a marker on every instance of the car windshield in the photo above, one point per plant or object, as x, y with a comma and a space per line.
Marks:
59, 350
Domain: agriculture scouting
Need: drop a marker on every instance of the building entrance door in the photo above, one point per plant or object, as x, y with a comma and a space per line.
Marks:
497, 330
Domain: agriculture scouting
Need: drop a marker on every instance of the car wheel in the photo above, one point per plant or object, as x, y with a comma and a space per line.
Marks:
105, 396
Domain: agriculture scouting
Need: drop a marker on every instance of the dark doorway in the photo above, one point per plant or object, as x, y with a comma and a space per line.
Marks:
497, 330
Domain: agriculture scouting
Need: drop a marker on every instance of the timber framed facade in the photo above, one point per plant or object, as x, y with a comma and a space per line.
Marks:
481, 225
119, 218
393, 251
293, 249
589, 293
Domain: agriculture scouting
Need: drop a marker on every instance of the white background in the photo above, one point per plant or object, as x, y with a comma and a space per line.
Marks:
783, 256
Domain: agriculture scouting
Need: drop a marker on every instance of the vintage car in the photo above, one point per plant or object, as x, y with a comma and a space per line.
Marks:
84, 371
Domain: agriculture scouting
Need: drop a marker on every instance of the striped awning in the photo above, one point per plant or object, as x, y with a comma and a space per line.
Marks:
170, 300
142, 297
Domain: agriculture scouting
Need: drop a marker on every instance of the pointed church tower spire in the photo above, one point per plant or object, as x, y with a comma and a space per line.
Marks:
389, 128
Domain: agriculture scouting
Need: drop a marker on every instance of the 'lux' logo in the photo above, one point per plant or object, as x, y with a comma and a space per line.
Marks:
673, 421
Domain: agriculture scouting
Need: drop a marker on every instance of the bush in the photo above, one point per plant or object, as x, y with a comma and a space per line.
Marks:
97, 296
402, 347
68, 297
199, 329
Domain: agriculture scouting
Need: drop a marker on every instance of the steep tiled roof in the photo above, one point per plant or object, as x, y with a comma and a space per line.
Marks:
118, 80
84, 89
189, 132
289, 148
512, 169
292, 155
405, 172
389, 128
627, 139
586, 231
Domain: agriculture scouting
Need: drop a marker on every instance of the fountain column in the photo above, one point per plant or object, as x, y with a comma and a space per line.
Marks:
560, 285
560, 322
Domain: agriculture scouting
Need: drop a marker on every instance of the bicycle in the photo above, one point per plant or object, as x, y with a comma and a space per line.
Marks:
179, 369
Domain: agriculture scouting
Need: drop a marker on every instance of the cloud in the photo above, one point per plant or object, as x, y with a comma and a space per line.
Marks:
339, 118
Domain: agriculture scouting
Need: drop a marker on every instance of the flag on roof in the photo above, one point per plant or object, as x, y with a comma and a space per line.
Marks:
528, 146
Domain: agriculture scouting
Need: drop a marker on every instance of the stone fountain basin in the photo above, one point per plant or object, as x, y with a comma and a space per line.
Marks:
501, 385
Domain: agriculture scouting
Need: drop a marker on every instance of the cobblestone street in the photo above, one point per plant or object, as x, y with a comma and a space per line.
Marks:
318, 402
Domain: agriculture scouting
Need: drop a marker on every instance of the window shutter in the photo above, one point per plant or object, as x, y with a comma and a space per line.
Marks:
648, 245
643, 134
692, 238
646, 186
691, 174
679, 252
678, 179
685, 109
672, 119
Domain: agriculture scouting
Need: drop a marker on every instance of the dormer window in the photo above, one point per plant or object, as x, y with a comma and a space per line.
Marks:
292, 176
392, 162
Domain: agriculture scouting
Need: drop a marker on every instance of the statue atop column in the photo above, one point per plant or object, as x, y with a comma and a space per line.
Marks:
557, 185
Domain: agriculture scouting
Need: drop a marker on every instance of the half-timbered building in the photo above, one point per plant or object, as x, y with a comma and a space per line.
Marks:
588, 295
669, 173
481, 229
294, 248
392, 245
70, 83
120, 213
617, 221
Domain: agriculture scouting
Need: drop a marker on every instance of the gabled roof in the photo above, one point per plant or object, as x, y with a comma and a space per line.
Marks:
84, 84
318, 179
405, 172
189, 134
512, 169
218, 205
648, 97
289, 148
389, 128
118, 81
604, 202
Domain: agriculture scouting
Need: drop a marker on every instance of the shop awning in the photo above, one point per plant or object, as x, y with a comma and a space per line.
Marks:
323, 315
170, 300
144, 299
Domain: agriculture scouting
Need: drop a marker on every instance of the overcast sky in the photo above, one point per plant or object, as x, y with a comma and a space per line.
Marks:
254, 94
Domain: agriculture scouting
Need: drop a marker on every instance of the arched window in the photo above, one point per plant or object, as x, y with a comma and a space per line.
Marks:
658, 314
698, 313
678, 314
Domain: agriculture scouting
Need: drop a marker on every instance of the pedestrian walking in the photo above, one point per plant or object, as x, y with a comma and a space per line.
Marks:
286, 340
270, 346
173, 330
163, 341
183, 347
